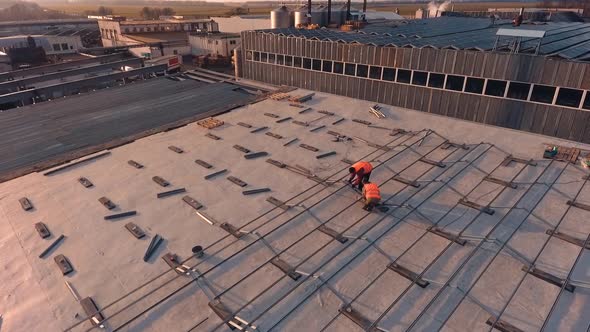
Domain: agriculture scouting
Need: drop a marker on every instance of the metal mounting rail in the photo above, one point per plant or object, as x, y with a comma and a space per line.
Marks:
357, 255
402, 139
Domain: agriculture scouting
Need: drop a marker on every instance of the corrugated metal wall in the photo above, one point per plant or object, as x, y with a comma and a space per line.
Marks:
537, 118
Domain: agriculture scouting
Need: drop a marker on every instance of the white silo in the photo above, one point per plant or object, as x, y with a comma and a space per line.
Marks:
318, 15
300, 16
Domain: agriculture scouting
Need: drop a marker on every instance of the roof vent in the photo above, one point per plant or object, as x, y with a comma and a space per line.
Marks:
515, 37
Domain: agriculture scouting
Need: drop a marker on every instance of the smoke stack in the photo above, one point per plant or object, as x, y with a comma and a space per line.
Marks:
308, 12
364, 6
329, 12
348, 10
521, 12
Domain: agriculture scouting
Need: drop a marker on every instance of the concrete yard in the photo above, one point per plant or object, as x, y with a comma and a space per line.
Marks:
467, 283
50, 132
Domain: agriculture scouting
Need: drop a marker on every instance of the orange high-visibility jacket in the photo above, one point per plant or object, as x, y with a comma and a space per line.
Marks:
365, 166
371, 190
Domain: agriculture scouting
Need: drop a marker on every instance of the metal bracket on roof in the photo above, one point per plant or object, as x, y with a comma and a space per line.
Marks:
159, 180
568, 238
408, 274
357, 318
579, 205
237, 181
332, 233
135, 164
501, 182
212, 175
174, 262
502, 325
231, 229
286, 268
277, 136
203, 164
447, 236
234, 322
94, 315
241, 148
405, 181
511, 158
476, 206
171, 192
433, 162
549, 278
25, 203
85, 182
278, 203
328, 286
447, 145
120, 215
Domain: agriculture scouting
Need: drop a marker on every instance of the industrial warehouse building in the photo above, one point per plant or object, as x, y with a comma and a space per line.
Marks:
480, 228
153, 38
214, 43
533, 78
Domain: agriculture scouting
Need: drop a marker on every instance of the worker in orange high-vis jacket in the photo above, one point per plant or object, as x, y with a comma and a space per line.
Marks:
371, 195
360, 171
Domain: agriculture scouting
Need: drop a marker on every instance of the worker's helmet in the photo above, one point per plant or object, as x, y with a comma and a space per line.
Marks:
351, 170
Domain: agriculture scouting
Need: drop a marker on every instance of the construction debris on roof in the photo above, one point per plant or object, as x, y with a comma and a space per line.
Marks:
472, 233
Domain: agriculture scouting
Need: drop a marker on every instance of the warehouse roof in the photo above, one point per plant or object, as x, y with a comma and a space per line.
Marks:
175, 21
156, 37
62, 127
566, 40
332, 253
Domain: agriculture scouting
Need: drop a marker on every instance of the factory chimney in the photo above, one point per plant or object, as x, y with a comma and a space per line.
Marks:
308, 12
348, 10
329, 18
518, 19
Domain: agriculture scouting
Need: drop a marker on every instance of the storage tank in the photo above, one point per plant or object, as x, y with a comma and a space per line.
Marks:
299, 16
338, 15
318, 15
343, 14
323, 15
280, 18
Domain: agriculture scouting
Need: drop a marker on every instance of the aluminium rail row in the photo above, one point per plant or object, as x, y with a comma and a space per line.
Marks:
312, 274
484, 240
322, 188
532, 264
324, 281
451, 243
427, 231
416, 140
355, 223
472, 252
465, 293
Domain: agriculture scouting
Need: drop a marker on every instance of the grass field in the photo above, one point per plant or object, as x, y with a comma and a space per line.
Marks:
410, 9
132, 11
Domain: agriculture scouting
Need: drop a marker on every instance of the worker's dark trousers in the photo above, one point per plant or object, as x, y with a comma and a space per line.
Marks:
370, 204
366, 178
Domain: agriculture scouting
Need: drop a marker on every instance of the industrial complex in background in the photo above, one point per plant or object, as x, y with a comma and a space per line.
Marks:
190, 174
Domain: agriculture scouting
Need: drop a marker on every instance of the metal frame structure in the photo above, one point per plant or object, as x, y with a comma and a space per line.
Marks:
409, 142
322, 187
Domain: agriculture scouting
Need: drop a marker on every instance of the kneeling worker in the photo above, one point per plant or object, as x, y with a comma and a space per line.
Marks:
361, 171
372, 195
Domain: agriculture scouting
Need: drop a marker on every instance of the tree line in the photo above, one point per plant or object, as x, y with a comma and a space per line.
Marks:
22, 11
